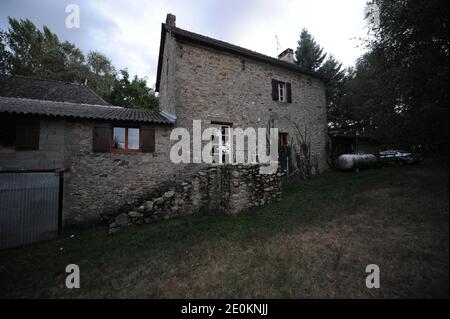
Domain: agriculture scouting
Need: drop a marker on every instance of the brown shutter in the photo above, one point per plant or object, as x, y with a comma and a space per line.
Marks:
102, 138
147, 139
274, 90
289, 92
27, 134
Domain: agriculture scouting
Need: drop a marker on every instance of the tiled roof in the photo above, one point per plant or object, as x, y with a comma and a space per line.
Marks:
80, 111
223, 46
30, 88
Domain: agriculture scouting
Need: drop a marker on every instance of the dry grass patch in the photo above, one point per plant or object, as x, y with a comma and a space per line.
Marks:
315, 243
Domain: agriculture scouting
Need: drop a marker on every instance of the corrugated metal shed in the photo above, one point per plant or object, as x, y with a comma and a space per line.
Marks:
28, 207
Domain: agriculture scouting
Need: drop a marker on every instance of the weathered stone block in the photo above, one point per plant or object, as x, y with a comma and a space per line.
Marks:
133, 214
168, 195
141, 208
148, 206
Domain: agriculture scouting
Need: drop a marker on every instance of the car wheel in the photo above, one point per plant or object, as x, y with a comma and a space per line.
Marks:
400, 162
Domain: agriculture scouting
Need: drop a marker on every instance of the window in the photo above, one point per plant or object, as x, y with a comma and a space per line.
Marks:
125, 139
221, 146
281, 92
283, 139
122, 139
19, 133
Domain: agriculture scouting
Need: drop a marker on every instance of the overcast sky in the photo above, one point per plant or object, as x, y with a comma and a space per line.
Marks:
128, 31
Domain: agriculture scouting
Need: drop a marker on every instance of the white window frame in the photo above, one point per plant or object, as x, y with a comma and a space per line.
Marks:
282, 92
222, 145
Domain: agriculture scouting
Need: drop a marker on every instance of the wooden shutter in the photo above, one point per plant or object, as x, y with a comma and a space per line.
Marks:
274, 90
289, 92
102, 138
147, 139
27, 134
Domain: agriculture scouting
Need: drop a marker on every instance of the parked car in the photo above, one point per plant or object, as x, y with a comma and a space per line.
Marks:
399, 157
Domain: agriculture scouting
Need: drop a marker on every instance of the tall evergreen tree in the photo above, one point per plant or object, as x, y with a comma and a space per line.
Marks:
309, 54
333, 74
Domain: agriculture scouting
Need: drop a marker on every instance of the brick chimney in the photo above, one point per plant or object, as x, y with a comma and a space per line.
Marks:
171, 20
287, 56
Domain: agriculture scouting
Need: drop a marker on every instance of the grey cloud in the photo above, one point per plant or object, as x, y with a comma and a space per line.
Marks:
52, 14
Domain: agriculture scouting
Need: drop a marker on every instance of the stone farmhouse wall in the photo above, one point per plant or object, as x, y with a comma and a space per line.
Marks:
200, 83
99, 184
227, 189
95, 184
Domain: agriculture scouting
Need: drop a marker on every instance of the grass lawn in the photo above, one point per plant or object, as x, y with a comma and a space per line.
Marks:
316, 242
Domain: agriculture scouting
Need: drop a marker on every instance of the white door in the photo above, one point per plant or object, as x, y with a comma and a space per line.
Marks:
221, 146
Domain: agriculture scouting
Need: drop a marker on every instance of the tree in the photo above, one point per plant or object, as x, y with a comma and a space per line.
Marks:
134, 93
411, 43
333, 74
99, 64
37, 53
364, 106
309, 54
76, 68
24, 41
4, 54
102, 74
26, 50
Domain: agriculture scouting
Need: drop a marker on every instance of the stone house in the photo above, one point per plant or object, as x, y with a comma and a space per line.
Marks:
200, 78
114, 157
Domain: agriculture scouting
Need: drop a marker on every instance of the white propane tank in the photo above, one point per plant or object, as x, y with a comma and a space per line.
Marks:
348, 162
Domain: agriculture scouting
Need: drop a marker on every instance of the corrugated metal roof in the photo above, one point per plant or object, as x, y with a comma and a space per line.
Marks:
82, 111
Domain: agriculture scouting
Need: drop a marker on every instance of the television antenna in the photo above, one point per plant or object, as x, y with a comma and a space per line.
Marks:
278, 45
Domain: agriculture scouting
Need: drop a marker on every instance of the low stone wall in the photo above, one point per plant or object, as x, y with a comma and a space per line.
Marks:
229, 189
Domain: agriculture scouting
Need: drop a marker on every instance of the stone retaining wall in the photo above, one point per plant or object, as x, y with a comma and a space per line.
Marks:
228, 189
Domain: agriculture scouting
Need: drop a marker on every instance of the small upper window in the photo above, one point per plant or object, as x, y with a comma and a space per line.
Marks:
282, 96
281, 91
125, 139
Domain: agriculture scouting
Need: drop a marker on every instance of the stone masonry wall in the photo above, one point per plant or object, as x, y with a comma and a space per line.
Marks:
228, 189
99, 184
216, 86
167, 89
